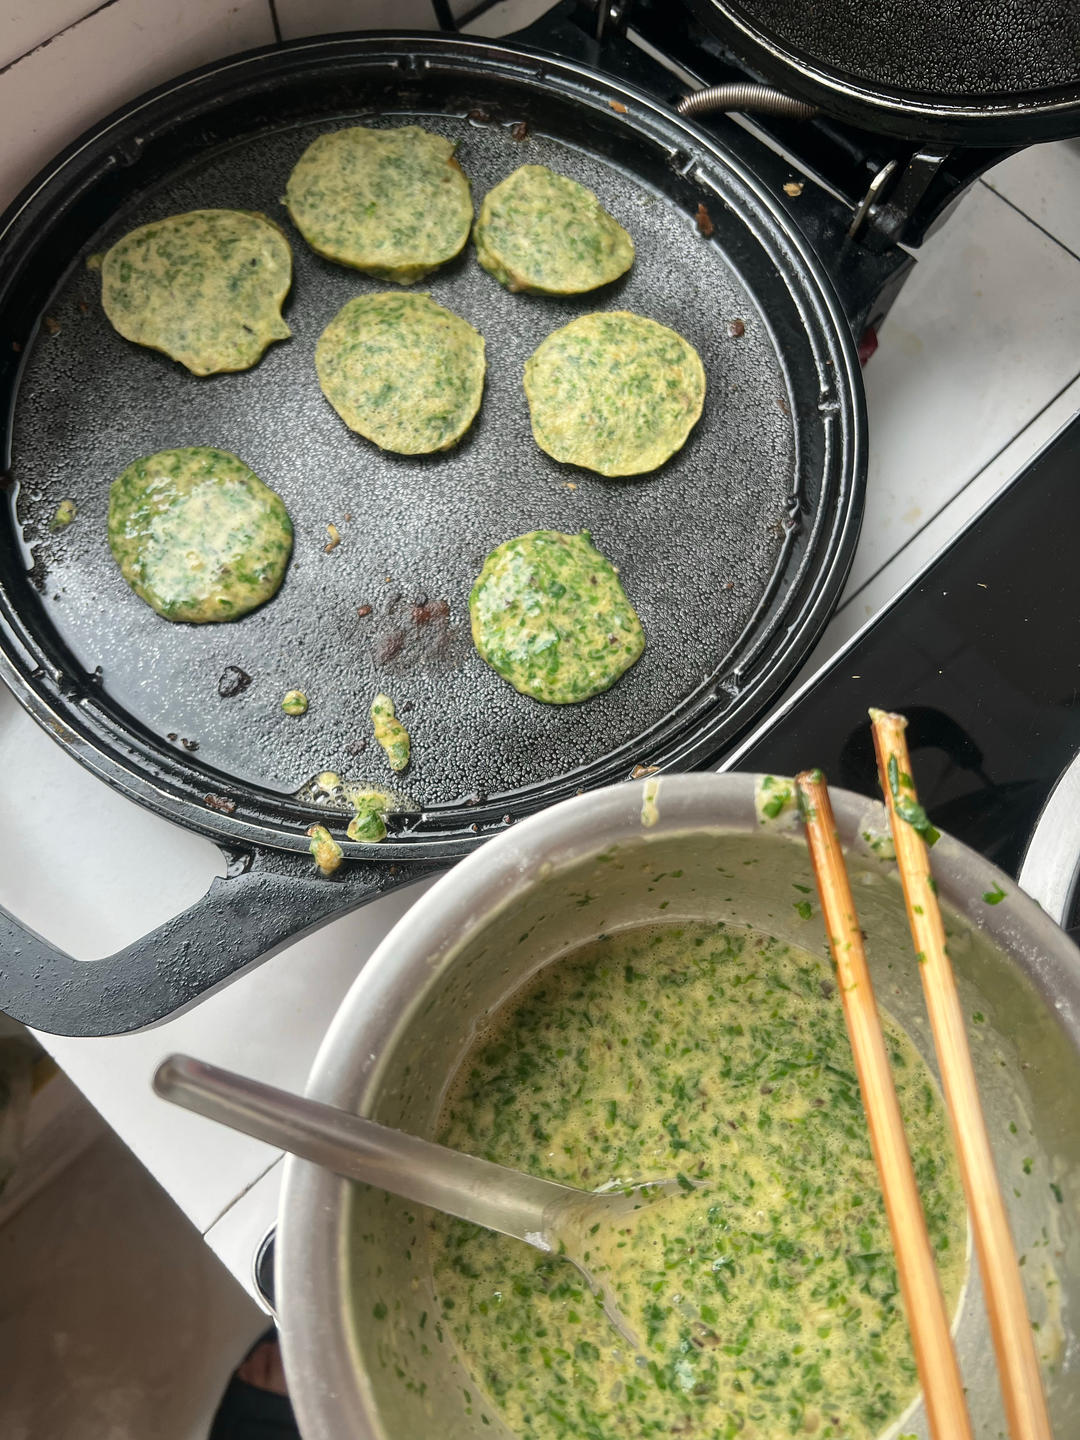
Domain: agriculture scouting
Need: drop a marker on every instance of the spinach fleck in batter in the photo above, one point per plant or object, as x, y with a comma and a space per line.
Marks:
542, 232
614, 392
392, 202
205, 287
765, 1296
197, 535
550, 616
402, 371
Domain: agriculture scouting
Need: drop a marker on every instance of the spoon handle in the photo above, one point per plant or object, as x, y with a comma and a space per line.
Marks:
358, 1149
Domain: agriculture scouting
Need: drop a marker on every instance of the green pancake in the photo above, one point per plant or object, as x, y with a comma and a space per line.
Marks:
205, 287
197, 535
614, 392
550, 616
392, 202
541, 232
402, 371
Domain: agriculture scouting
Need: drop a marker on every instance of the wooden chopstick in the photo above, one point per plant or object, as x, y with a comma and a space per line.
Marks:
928, 1322
1010, 1326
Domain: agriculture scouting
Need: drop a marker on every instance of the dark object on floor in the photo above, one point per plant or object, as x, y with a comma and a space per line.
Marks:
255, 1405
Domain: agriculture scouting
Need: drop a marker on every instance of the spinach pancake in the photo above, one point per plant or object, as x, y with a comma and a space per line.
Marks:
394, 203
544, 233
206, 287
550, 616
614, 392
402, 371
197, 535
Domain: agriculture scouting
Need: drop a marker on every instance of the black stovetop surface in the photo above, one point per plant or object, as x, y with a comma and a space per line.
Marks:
982, 653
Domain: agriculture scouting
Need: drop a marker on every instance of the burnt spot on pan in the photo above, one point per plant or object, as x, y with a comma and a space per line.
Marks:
417, 634
232, 681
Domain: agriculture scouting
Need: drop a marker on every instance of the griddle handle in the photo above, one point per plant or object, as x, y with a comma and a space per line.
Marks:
241, 919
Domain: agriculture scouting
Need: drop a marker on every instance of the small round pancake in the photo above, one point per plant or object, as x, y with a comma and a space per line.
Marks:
550, 616
392, 202
197, 535
540, 232
402, 371
205, 287
614, 392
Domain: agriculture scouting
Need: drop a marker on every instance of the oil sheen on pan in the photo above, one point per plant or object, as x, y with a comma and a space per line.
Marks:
414, 530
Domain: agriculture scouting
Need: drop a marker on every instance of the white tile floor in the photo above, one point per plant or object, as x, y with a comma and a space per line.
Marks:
1044, 183
978, 365
116, 1320
860, 603
983, 336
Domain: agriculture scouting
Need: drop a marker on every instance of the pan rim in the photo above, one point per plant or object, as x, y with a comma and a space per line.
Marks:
115, 752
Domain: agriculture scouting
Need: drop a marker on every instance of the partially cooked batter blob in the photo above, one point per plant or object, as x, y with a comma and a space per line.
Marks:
390, 733
765, 1296
205, 287
550, 615
197, 534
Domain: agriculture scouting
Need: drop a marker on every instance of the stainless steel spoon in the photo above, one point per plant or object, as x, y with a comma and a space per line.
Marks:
552, 1217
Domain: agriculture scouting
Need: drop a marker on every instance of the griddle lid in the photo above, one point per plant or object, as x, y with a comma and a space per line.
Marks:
976, 72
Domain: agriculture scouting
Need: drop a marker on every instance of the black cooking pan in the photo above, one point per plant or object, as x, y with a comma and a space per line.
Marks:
733, 553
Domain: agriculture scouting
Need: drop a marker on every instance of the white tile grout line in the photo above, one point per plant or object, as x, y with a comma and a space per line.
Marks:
1029, 218
94, 10
952, 499
231, 1204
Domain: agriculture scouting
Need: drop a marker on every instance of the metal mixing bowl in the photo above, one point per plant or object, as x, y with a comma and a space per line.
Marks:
353, 1274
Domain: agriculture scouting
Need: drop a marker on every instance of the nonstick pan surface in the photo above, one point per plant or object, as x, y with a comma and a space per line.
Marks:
732, 553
